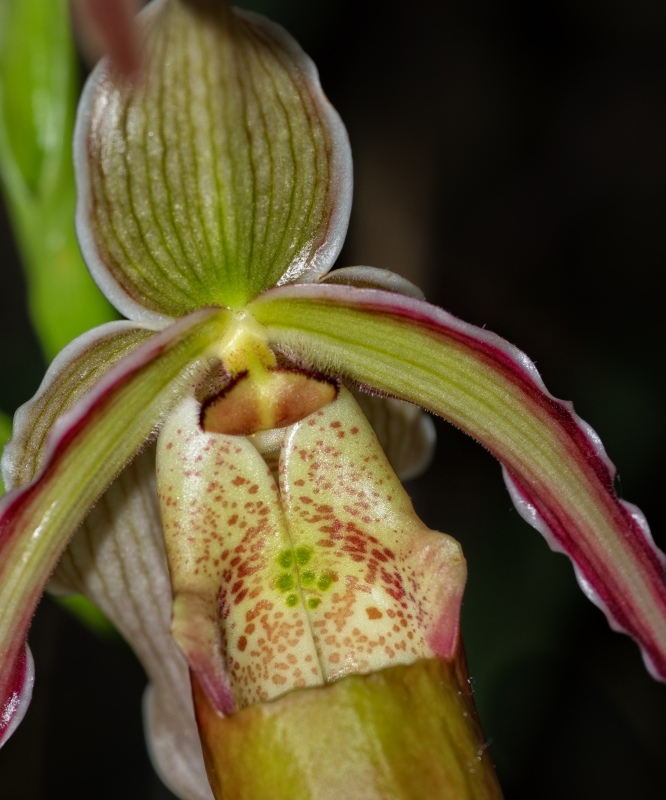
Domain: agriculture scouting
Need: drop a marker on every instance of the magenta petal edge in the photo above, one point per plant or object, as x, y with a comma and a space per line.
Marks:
558, 473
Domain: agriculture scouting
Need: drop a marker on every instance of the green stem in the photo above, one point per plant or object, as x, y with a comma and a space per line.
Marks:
404, 733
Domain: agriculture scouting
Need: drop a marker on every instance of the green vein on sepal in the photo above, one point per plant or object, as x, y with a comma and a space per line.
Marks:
224, 173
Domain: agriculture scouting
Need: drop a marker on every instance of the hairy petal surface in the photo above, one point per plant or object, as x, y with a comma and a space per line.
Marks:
224, 172
557, 470
117, 560
87, 449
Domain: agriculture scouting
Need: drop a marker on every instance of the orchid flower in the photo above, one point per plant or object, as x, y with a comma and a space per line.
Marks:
214, 196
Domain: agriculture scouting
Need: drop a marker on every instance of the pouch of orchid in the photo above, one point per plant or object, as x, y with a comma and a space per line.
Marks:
299, 624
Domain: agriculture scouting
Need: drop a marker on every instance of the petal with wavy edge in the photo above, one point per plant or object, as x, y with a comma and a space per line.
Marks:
236, 605
381, 588
224, 172
70, 376
87, 449
117, 560
559, 474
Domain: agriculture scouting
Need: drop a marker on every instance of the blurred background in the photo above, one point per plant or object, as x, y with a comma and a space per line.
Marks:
510, 158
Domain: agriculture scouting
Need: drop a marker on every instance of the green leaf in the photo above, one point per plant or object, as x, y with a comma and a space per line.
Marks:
555, 467
88, 614
38, 91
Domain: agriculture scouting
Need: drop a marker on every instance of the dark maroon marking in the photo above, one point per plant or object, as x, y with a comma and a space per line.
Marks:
600, 581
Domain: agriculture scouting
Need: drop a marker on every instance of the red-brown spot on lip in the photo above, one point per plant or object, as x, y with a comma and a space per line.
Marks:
373, 613
238, 481
242, 643
240, 597
253, 489
336, 424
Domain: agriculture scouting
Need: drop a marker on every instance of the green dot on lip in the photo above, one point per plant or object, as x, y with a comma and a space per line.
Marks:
307, 577
292, 600
313, 602
324, 582
303, 555
286, 559
285, 582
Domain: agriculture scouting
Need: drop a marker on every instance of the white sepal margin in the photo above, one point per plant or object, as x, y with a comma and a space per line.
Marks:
107, 284
15, 710
81, 349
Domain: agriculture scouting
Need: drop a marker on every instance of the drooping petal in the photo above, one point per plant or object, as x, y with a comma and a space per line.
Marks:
558, 472
381, 588
117, 560
237, 613
225, 172
87, 448
71, 375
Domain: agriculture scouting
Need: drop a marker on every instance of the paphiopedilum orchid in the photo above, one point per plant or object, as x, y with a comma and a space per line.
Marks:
214, 197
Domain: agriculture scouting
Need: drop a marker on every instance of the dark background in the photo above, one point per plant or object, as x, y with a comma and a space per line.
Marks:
510, 157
